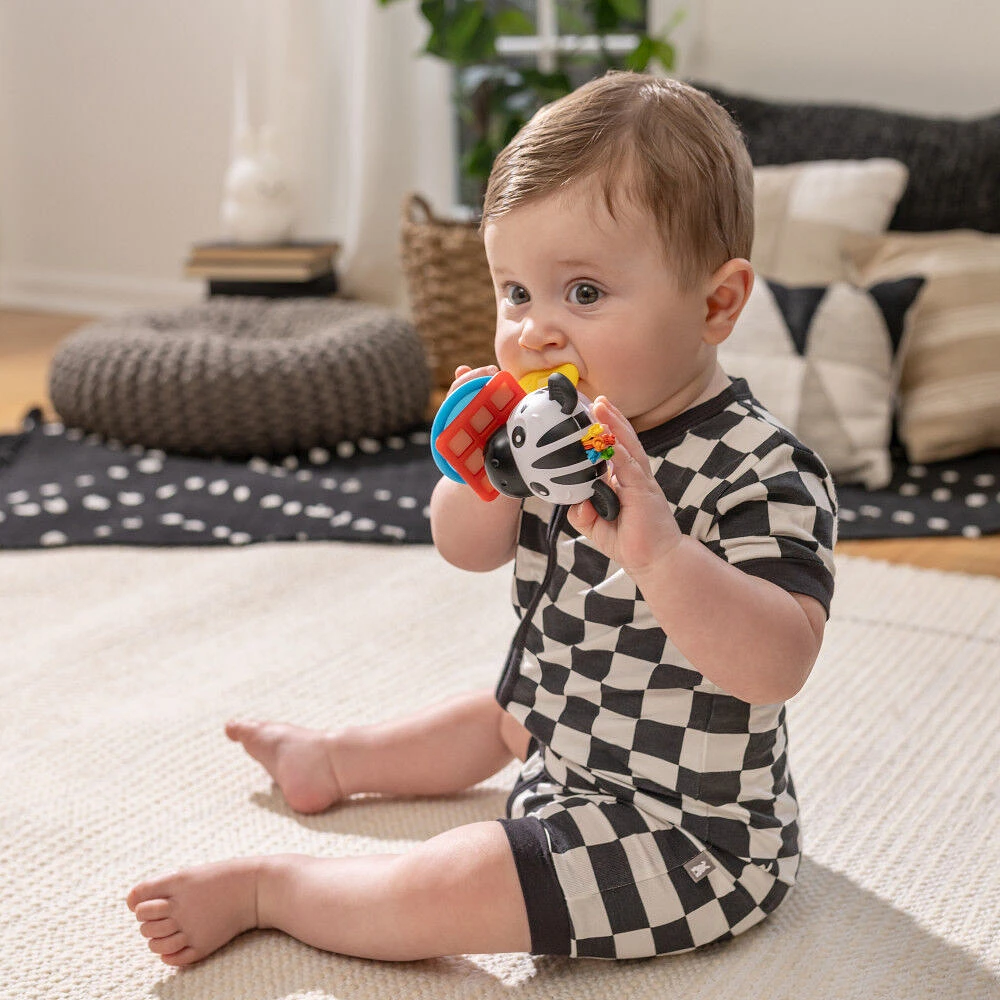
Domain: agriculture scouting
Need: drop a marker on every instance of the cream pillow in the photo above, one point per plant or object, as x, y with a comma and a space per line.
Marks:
822, 360
804, 213
949, 387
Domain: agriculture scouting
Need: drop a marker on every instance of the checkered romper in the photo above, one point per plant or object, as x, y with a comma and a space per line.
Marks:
655, 812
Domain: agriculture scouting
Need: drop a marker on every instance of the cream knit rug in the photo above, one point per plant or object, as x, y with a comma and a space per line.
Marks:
118, 667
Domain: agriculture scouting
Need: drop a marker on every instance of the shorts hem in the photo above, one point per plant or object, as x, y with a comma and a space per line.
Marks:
548, 915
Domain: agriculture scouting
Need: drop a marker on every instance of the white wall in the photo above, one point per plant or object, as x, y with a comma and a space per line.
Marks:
115, 119
926, 56
115, 128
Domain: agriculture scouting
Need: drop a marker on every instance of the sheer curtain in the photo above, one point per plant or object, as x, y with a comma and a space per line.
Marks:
383, 127
361, 119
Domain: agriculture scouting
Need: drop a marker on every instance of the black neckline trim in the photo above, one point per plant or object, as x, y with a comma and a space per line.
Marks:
656, 438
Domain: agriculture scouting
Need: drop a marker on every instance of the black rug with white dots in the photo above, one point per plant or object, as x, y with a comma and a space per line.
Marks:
60, 486
960, 496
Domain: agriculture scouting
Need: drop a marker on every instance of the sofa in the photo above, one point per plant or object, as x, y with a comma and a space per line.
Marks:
874, 326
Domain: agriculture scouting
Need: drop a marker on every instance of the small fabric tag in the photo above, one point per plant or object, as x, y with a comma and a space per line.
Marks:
699, 866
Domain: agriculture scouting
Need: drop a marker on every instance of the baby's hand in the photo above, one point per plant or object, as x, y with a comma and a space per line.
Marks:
645, 529
463, 374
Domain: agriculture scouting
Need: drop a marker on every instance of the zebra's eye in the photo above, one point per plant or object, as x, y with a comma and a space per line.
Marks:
517, 436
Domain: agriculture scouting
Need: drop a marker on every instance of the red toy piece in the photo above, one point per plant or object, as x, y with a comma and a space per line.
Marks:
463, 441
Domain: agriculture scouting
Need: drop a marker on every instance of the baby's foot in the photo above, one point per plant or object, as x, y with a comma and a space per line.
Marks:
191, 913
299, 760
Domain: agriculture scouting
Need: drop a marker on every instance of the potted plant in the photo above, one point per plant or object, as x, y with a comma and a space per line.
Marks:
450, 290
493, 98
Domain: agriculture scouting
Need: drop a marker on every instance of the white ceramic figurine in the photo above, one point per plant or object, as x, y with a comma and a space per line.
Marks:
258, 204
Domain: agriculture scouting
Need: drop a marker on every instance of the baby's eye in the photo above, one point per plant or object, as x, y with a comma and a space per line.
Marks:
516, 295
584, 294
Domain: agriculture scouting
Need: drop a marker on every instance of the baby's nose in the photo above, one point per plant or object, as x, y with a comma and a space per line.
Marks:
541, 331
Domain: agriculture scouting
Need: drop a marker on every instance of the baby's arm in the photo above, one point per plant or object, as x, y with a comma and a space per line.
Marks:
753, 639
471, 533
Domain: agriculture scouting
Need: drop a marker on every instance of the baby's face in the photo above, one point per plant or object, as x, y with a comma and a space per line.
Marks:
575, 285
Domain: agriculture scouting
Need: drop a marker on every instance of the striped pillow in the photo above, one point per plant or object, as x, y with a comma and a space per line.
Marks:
804, 212
949, 388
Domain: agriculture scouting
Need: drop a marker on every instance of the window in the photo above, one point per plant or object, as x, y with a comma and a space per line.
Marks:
545, 48
566, 30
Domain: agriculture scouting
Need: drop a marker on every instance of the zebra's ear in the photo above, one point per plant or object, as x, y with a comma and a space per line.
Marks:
563, 392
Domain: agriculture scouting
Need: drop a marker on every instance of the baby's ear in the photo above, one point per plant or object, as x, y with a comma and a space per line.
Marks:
728, 290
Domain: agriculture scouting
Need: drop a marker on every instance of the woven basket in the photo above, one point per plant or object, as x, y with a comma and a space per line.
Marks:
451, 293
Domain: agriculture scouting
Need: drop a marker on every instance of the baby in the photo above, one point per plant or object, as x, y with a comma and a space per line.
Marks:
644, 689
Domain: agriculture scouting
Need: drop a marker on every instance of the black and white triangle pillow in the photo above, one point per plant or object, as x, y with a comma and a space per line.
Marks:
823, 361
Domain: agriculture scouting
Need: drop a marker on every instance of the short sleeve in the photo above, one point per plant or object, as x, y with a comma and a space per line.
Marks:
778, 521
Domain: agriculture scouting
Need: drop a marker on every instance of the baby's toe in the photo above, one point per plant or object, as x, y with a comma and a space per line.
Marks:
169, 945
152, 909
186, 956
153, 888
159, 928
240, 729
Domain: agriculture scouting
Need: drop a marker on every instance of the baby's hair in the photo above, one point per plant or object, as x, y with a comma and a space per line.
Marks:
664, 146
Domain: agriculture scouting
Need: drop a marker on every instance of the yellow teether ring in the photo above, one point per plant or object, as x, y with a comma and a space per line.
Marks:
537, 380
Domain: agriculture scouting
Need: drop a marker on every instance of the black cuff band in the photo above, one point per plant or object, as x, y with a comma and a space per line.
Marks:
548, 918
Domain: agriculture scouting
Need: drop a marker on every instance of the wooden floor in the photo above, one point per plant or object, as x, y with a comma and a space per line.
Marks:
28, 341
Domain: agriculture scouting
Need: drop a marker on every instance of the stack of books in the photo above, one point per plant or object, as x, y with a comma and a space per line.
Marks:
274, 270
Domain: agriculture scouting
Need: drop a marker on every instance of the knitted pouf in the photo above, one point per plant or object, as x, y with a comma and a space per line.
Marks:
243, 376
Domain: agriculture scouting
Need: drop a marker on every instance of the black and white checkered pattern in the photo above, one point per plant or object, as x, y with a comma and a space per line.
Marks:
618, 709
633, 887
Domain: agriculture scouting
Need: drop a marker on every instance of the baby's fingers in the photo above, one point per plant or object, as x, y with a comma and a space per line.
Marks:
463, 373
607, 413
582, 517
630, 462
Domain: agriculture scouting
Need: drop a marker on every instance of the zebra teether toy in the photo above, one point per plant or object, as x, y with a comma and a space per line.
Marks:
500, 439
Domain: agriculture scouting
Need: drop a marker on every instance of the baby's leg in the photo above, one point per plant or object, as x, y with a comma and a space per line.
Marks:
457, 893
438, 751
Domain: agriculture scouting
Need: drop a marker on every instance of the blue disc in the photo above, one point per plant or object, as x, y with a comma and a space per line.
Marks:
450, 408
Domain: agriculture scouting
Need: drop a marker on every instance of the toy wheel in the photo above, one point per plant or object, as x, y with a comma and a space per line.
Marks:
605, 501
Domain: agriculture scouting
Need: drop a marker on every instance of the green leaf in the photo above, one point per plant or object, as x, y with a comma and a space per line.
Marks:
514, 125
512, 21
638, 58
629, 10
604, 15
548, 85
434, 13
478, 161
470, 35
436, 45
664, 53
